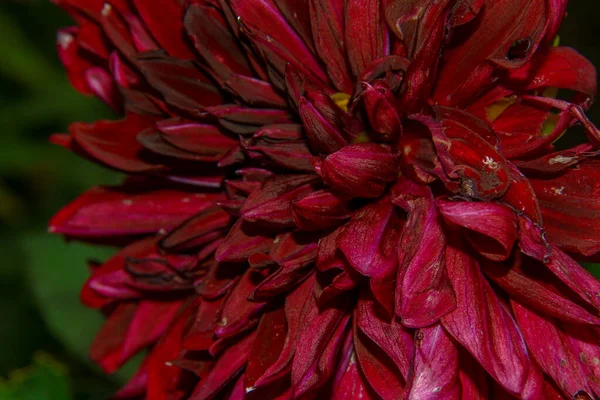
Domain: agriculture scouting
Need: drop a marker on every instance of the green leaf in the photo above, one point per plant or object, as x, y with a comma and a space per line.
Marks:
46, 379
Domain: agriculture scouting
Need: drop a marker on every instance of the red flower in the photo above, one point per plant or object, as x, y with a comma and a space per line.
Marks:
339, 199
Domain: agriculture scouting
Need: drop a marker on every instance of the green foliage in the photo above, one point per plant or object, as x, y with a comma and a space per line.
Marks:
46, 379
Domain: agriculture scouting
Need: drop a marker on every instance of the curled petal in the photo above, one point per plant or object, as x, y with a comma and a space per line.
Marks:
493, 227
360, 170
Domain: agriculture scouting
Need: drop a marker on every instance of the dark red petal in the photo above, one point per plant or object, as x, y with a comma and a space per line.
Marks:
277, 39
501, 25
550, 347
378, 368
391, 336
114, 143
327, 23
242, 241
215, 41
238, 313
360, 170
318, 344
537, 293
182, 85
300, 308
131, 209
570, 207
226, 368
423, 291
200, 229
482, 325
435, 372
202, 139
370, 240
164, 20
493, 227
320, 210
272, 202
366, 38
562, 265
271, 332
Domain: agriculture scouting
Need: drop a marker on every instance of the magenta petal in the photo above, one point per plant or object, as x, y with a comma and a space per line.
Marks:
132, 209
560, 264
493, 227
370, 240
320, 210
536, 292
360, 170
391, 336
435, 372
378, 368
423, 291
482, 325
550, 347
313, 361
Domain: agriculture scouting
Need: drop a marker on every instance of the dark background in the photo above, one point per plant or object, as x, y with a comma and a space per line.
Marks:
42, 325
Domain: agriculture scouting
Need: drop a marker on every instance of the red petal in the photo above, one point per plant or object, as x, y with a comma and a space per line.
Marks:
272, 202
320, 210
242, 241
493, 228
132, 209
215, 41
423, 291
182, 85
501, 25
435, 372
391, 336
164, 20
537, 292
482, 325
228, 365
570, 207
360, 170
550, 347
327, 22
563, 266
370, 240
365, 33
114, 143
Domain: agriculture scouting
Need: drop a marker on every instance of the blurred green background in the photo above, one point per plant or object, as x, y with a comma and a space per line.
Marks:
44, 328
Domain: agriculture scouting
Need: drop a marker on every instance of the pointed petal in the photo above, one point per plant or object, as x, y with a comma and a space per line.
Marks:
132, 209
435, 372
550, 347
114, 143
423, 292
482, 325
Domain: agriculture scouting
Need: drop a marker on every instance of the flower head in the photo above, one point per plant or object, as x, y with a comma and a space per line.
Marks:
339, 199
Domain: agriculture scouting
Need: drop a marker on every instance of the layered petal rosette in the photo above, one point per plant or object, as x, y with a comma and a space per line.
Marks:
339, 199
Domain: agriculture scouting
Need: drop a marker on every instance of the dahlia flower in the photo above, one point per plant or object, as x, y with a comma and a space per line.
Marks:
339, 199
